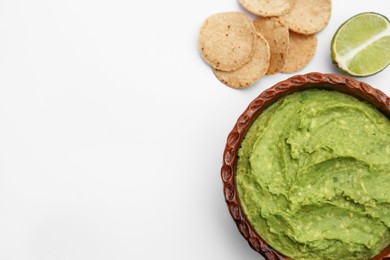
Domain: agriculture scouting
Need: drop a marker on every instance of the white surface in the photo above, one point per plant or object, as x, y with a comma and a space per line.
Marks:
112, 129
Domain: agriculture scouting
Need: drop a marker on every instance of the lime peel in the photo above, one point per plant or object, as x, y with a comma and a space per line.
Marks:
362, 58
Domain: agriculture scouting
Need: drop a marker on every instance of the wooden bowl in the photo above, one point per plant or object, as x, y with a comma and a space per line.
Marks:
314, 80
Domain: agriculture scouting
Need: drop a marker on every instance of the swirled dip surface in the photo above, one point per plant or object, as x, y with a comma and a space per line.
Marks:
313, 176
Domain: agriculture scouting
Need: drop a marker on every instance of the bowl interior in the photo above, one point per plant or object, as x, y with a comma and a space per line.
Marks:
335, 82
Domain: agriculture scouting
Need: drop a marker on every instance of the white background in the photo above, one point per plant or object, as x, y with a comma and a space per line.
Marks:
112, 129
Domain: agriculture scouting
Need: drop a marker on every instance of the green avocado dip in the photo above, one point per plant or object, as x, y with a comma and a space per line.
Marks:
313, 176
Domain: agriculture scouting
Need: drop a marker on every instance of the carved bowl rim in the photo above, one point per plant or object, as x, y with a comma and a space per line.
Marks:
360, 90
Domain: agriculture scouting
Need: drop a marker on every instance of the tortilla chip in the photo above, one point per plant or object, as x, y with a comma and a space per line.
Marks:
226, 40
267, 7
300, 51
254, 70
278, 38
308, 16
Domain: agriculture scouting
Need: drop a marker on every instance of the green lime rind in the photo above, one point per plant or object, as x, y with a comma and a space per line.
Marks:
361, 45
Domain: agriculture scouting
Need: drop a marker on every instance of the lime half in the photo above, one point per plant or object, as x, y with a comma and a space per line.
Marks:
361, 45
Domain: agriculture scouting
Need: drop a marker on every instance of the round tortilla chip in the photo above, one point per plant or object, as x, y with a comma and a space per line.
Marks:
308, 16
226, 40
252, 71
278, 38
267, 7
300, 51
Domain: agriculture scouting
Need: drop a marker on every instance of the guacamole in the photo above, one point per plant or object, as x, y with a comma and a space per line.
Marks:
313, 176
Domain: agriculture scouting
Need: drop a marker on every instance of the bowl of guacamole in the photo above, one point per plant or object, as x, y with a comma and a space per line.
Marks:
306, 170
